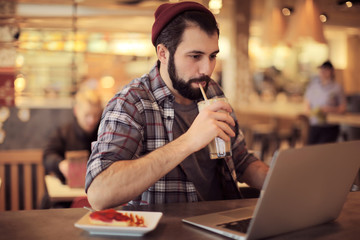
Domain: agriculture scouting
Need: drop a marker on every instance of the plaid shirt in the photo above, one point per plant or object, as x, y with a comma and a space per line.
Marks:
138, 120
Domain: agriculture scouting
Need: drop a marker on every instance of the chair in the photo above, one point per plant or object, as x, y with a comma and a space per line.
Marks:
265, 135
272, 134
302, 126
296, 135
22, 175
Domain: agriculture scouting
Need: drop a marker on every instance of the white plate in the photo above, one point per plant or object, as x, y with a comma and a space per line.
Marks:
151, 219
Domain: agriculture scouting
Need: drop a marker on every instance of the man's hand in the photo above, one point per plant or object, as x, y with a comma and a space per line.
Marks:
64, 168
213, 121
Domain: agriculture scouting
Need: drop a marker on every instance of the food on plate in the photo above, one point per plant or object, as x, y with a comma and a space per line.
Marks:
111, 217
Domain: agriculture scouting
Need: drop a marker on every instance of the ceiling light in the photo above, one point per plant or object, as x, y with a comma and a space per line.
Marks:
19, 83
286, 11
107, 82
215, 6
349, 4
274, 25
323, 18
305, 23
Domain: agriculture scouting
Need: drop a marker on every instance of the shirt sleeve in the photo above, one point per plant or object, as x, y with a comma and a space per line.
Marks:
54, 153
342, 96
119, 137
308, 90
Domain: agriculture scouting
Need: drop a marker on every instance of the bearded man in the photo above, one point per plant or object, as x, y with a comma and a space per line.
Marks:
152, 140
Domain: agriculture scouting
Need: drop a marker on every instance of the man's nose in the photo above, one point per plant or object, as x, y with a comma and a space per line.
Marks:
206, 67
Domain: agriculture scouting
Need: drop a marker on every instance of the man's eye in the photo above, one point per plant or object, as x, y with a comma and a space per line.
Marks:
195, 56
213, 56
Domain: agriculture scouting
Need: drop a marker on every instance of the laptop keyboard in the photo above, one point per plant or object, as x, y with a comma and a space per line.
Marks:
240, 225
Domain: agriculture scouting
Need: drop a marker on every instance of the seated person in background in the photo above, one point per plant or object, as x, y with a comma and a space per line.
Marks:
74, 135
152, 140
323, 96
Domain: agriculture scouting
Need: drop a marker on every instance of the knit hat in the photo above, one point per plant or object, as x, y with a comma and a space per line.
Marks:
168, 11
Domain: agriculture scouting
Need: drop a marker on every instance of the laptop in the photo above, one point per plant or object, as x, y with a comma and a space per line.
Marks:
304, 187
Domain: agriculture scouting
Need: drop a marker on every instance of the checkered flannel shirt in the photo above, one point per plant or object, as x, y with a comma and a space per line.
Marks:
138, 120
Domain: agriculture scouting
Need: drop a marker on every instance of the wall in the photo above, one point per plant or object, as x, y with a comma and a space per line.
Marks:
35, 132
351, 74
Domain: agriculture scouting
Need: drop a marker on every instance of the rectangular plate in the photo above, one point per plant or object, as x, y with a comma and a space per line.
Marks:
151, 220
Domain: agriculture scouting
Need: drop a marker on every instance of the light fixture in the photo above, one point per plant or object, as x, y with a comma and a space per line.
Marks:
4, 114
107, 82
24, 114
274, 24
19, 83
19, 61
133, 47
323, 18
287, 11
305, 24
215, 6
349, 4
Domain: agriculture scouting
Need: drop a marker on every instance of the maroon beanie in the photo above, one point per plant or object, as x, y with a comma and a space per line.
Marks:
166, 12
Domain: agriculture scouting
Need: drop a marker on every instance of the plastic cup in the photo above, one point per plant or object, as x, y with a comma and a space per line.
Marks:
218, 148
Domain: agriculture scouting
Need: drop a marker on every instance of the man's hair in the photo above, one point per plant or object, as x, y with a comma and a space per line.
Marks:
172, 34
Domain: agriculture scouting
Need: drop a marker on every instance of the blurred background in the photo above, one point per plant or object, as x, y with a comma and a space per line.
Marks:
269, 50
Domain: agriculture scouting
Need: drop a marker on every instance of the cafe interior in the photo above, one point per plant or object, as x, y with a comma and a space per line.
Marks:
270, 50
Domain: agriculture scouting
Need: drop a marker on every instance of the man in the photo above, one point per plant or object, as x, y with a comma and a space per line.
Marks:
152, 141
323, 96
74, 135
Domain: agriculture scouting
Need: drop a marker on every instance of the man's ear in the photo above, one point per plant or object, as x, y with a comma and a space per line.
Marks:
162, 53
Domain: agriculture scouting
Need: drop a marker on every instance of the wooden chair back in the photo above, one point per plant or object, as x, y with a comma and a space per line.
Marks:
22, 176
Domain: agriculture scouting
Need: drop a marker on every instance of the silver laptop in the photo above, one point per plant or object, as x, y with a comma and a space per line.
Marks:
304, 187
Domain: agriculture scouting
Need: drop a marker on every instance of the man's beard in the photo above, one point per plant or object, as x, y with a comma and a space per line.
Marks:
184, 88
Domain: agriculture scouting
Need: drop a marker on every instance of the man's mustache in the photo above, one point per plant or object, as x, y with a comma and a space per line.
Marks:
200, 79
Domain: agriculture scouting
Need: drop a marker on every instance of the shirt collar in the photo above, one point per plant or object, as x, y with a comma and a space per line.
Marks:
158, 86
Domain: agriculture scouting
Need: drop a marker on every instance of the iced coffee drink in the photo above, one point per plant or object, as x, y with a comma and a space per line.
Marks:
218, 148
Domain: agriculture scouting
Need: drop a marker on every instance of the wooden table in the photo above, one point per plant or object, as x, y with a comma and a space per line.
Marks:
272, 109
59, 192
351, 119
59, 223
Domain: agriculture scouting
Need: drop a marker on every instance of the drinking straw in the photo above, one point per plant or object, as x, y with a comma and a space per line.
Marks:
203, 93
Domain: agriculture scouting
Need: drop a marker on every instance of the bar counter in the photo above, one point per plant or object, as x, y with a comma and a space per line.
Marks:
55, 224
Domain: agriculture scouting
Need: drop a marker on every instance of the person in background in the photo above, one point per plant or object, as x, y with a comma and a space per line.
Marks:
152, 140
323, 96
77, 134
